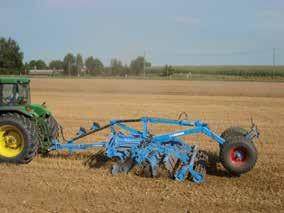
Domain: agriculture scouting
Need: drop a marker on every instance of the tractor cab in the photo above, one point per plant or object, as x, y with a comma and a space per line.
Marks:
14, 91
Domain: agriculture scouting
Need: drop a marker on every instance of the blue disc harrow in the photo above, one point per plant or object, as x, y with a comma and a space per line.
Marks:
130, 147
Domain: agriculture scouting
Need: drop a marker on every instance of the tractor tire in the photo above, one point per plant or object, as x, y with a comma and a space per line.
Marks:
233, 131
18, 139
238, 155
53, 127
46, 136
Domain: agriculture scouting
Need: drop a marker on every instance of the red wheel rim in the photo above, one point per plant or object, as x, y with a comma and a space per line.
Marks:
238, 155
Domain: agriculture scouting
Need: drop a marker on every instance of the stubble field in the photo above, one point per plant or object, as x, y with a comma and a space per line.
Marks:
61, 183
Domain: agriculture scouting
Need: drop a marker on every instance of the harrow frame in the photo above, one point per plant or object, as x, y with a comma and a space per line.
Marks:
140, 146
194, 127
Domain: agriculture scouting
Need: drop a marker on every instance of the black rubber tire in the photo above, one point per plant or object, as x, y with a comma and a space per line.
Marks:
232, 132
241, 143
28, 129
53, 127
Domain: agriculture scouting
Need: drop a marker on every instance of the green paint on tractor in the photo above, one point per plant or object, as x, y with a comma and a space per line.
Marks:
14, 80
34, 122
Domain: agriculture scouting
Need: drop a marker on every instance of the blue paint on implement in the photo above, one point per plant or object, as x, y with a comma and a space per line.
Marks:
130, 146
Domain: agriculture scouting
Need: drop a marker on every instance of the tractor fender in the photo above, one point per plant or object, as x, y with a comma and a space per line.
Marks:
40, 110
20, 110
32, 110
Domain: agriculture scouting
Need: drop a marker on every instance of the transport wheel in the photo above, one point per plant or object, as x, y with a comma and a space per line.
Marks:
238, 155
233, 131
18, 140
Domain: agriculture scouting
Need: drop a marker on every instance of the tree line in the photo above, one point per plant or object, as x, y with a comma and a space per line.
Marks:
11, 62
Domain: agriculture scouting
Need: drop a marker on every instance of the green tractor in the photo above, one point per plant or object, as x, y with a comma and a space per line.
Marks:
25, 129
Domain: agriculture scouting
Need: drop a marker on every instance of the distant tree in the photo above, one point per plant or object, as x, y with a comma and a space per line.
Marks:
69, 64
25, 69
94, 66
11, 57
116, 67
138, 65
32, 64
90, 65
168, 70
56, 64
37, 64
79, 63
126, 70
99, 66
41, 64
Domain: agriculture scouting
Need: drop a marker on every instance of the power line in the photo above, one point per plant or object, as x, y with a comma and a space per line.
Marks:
239, 52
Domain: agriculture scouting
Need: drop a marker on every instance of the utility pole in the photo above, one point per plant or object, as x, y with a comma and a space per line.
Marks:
144, 64
69, 68
274, 61
167, 68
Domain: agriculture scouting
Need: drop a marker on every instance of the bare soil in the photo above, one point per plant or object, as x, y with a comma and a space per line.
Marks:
61, 183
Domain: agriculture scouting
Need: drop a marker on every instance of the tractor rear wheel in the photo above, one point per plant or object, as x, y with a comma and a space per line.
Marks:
47, 134
53, 127
238, 155
18, 139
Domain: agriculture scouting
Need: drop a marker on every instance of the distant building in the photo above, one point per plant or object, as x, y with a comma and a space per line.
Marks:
47, 72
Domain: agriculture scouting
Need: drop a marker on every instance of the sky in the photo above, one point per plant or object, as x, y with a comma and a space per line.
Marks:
177, 32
